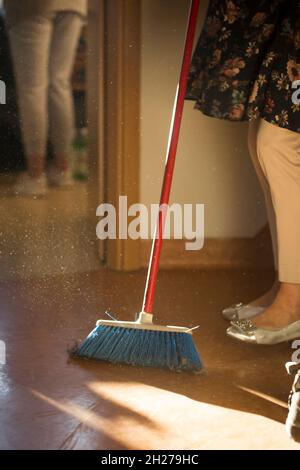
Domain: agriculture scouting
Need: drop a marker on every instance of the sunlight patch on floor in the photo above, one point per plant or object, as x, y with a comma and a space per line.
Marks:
176, 415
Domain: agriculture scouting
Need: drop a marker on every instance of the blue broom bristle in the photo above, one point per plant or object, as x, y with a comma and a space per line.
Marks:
138, 347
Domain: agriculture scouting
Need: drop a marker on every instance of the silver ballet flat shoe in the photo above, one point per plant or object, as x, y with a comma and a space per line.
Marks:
292, 423
241, 312
244, 330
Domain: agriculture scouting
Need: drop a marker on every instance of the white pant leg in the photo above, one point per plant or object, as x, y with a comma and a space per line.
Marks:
252, 146
66, 33
30, 45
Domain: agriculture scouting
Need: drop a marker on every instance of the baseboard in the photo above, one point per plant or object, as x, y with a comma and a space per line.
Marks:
235, 253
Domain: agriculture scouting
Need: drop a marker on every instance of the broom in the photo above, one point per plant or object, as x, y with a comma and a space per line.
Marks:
141, 342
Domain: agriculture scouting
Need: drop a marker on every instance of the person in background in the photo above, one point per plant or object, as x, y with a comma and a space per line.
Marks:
43, 36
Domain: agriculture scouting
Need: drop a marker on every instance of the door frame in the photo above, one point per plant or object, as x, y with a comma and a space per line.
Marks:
114, 116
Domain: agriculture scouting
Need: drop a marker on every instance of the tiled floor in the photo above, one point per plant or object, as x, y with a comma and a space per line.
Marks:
47, 402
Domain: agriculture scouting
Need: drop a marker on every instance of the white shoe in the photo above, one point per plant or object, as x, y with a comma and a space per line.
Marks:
293, 420
28, 186
242, 312
60, 178
244, 330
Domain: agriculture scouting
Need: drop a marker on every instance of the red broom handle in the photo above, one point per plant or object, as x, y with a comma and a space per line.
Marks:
170, 160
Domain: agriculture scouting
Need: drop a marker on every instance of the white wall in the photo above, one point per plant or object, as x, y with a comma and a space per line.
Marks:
213, 166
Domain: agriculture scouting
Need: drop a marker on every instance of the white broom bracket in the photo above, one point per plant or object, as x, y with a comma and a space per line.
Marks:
145, 318
137, 325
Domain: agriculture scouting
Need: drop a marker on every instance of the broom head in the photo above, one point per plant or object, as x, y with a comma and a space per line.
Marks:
141, 343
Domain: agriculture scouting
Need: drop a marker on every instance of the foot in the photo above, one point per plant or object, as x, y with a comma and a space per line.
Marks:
27, 185
283, 311
244, 311
266, 299
245, 331
60, 178
241, 312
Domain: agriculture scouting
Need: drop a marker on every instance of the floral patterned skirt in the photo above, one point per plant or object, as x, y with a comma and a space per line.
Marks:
247, 62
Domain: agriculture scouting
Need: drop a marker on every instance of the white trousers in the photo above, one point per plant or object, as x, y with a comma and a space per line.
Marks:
43, 50
275, 152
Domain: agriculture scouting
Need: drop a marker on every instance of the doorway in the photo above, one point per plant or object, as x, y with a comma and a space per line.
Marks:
114, 85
